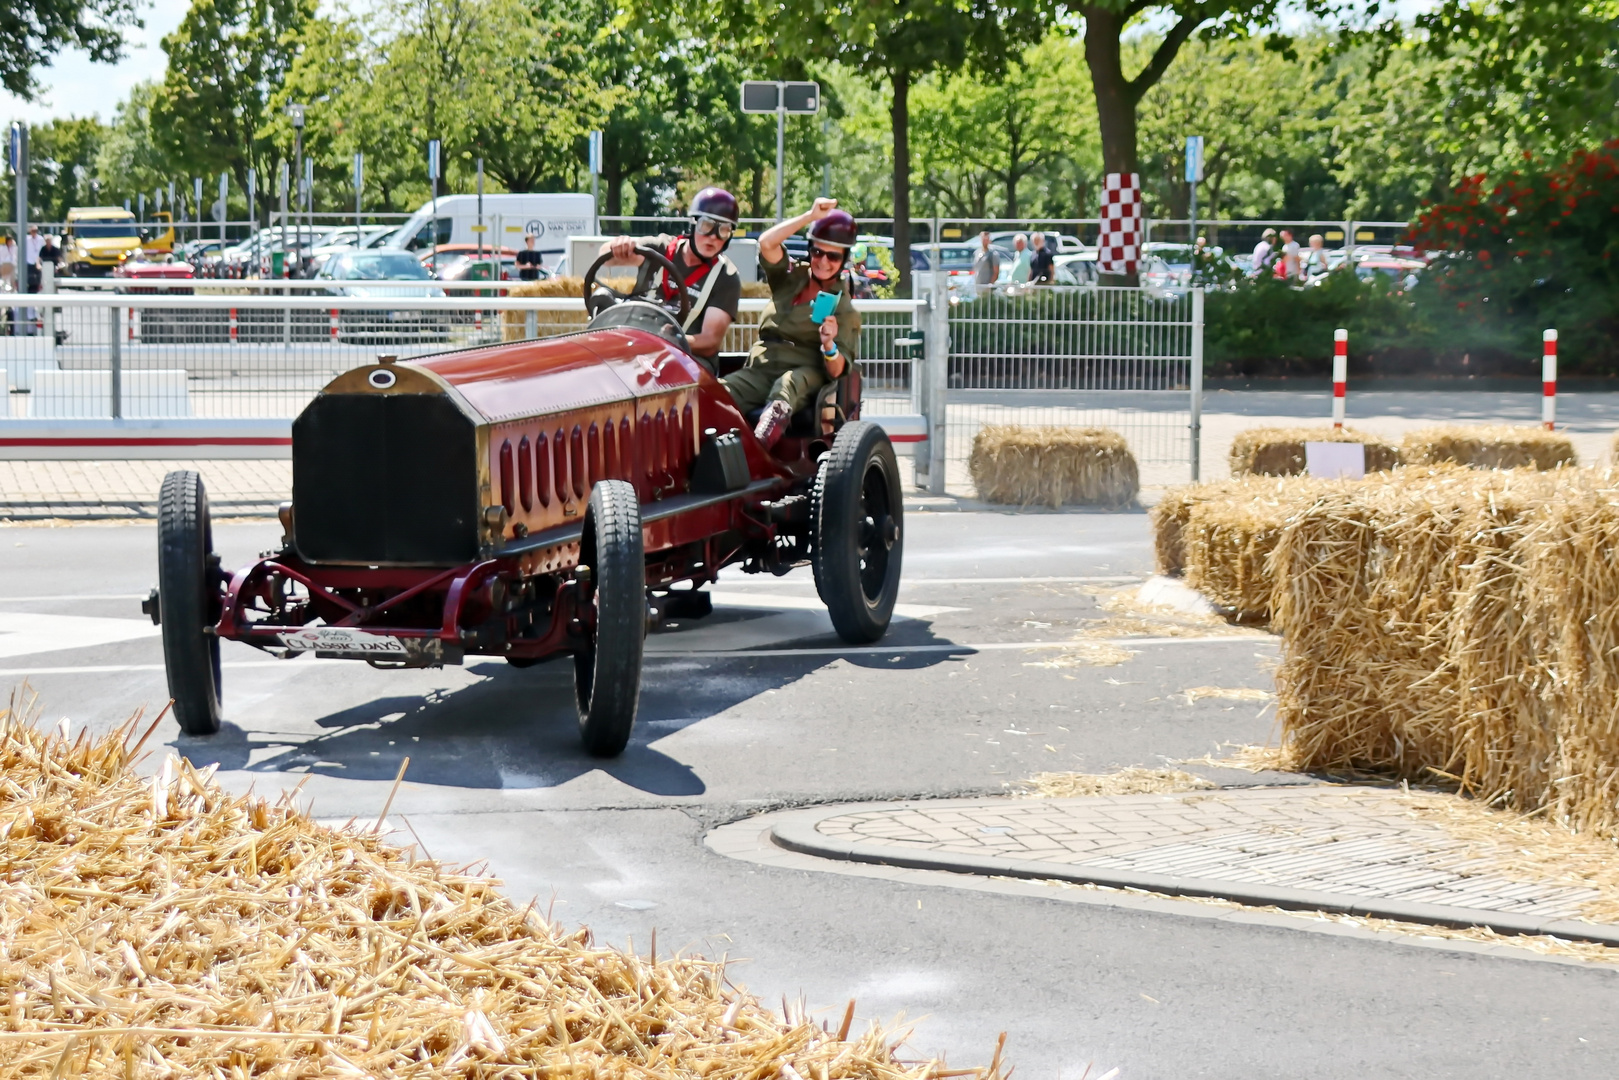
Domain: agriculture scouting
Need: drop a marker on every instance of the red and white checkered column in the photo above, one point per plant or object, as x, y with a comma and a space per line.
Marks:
1340, 375
1119, 245
1548, 380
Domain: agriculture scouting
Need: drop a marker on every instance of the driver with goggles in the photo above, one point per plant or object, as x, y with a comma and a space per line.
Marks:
712, 285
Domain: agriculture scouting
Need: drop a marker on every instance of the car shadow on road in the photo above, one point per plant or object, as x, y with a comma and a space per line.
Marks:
518, 728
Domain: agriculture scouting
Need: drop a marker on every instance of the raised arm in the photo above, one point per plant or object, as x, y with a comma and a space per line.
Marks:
771, 239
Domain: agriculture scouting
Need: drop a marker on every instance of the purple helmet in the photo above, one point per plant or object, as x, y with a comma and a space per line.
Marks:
716, 204
836, 230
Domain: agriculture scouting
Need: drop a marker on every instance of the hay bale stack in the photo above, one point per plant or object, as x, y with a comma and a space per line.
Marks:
161, 927
1172, 512
1228, 546
1488, 447
1463, 622
1280, 451
1053, 466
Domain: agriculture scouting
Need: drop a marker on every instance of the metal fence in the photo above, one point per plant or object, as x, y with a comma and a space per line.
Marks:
249, 355
1044, 356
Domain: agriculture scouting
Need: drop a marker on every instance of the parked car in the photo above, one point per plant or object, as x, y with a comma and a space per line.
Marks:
378, 274
96, 239
1406, 272
152, 272
1059, 243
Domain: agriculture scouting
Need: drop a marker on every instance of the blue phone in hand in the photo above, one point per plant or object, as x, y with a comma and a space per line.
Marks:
825, 304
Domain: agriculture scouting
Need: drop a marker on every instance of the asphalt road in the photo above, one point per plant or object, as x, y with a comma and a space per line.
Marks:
950, 704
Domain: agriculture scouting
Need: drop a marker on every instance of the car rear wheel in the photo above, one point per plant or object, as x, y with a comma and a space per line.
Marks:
188, 580
607, 669
858, 518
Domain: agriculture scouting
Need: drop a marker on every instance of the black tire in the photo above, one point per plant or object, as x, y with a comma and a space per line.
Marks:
607, 670
188, 582
859, 511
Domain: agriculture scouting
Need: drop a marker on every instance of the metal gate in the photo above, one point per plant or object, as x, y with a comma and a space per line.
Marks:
1056, 356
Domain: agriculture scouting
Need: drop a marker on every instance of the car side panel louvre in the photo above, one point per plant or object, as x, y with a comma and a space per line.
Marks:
576, 454
525, 475
559, 450
542, 469
508, 490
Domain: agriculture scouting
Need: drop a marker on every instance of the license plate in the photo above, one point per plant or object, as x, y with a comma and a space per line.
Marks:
343, 640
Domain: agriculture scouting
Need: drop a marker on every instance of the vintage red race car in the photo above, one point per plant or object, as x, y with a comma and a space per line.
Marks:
530, 499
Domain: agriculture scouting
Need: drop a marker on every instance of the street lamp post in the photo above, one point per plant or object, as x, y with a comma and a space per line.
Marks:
296, 113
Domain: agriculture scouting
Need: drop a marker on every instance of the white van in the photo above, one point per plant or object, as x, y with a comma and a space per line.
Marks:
551, 218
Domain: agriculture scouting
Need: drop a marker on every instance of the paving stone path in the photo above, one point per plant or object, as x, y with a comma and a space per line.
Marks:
1345, 848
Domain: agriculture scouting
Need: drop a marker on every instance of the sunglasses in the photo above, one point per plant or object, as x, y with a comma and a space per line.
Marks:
825, 254
710, 227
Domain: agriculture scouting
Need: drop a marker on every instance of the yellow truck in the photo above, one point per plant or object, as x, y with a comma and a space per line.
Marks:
97, 239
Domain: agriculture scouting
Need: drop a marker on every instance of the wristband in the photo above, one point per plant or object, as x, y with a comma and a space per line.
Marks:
830, 353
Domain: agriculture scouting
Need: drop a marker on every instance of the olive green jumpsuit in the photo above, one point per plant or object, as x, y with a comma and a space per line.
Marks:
786, 363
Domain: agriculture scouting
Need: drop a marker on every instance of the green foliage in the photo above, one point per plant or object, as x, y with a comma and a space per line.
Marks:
1268, 326
32, 33
1537, 250
226, 58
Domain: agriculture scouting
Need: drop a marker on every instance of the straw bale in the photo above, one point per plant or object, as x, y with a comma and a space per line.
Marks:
1173, 511
161, 927
1488, 447
1278, 451
1053, 466
1227, 541
1460, 623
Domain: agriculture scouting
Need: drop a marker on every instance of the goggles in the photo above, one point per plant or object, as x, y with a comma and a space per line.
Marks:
706, 226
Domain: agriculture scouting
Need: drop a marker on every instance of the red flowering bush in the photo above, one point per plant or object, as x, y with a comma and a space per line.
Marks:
1538, 250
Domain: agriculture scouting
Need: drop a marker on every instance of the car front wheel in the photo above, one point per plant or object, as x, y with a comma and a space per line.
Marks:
858, 516
607, 667
188, 591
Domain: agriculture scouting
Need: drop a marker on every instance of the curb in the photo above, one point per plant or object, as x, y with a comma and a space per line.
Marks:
796, 832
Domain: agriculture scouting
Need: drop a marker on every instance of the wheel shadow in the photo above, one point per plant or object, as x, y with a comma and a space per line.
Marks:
518, 728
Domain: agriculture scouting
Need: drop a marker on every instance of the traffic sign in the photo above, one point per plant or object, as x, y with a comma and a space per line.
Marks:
1194, 159
432, 159
787, 97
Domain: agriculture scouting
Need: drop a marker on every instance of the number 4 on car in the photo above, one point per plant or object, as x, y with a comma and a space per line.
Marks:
530, 500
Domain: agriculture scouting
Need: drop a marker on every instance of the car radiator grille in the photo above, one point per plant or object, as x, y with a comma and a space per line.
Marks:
385, 478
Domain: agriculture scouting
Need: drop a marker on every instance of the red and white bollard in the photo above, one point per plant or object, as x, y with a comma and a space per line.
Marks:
134, 331
1340, 374
1548, 381
334, 323
233, 337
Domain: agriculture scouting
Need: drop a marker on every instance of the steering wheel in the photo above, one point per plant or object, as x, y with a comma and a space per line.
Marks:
652, 259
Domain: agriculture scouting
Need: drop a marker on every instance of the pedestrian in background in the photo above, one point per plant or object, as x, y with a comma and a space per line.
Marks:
1021, 260
987, 263
529, 260
1264, 251
8, 280
32, 245
1315, 259
1287, 267
1042, 263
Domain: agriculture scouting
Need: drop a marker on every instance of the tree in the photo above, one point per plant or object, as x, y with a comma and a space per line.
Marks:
893, 41
129, 160
1260, 115
32, 33
1118, 95
226, 59
61, 158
